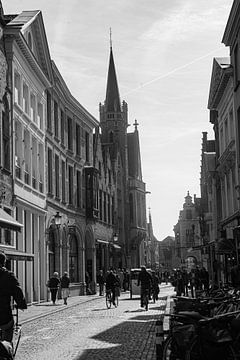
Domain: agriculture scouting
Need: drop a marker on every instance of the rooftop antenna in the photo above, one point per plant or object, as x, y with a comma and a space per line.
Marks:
111, 38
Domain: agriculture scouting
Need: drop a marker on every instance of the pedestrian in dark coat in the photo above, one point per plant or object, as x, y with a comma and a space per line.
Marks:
64, 283
111, 283
101, 282
145, 280
9, 286
53, 284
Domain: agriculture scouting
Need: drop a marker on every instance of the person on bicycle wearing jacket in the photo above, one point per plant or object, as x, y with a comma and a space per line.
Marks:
9, 287
111, 283
145, 280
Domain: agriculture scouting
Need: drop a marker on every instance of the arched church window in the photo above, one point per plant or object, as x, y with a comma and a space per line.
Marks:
73, 259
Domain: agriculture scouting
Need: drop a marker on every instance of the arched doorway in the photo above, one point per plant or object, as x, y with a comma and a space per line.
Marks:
73, 259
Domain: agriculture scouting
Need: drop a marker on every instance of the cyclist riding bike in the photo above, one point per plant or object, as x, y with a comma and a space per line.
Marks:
145, 280
111, 283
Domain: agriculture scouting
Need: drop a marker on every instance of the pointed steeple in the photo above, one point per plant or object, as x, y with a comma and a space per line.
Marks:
112, 102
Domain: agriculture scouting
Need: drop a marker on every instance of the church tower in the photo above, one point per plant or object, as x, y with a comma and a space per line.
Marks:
124, 150
114, 117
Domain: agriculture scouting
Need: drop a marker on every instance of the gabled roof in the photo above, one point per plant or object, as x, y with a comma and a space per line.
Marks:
221, 72
19, 26
112, 102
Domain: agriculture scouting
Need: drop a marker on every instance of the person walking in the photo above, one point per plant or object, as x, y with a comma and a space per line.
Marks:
64, 283
111, 282
9, 286
101, 282
53, 284
145, 280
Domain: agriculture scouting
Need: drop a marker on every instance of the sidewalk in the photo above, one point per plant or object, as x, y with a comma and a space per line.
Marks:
44, 308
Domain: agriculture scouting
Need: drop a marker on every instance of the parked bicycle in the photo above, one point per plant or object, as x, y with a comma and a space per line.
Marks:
195, 337
213, 339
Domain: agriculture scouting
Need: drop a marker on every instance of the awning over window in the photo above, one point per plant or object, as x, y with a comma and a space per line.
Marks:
8, 222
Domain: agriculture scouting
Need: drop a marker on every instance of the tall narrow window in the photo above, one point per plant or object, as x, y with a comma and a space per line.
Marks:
56, 176
17, 88
87, 145
49, 111
70, 185
104, 207
40, 116
79, 190
25, 99
63, 182
62, 127
33, 108
78, 140
55, 119
49, 171
70, 137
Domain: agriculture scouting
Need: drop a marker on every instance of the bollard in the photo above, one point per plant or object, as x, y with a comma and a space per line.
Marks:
159, 339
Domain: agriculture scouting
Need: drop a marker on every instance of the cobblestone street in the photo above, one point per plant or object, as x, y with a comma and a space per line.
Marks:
88, 330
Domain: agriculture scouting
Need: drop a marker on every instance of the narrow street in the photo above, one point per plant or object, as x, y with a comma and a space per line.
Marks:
91, 331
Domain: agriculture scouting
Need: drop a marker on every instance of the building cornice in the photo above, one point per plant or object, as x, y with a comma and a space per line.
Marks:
233, 25
15, 33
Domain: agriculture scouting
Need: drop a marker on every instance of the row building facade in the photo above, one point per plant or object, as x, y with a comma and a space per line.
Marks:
72, 184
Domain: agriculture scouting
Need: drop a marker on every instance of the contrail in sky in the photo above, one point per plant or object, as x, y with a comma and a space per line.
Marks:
171, 72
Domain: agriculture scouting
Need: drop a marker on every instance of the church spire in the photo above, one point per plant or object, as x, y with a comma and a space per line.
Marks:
112, 102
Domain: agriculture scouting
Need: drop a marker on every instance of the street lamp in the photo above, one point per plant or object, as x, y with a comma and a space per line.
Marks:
57, 219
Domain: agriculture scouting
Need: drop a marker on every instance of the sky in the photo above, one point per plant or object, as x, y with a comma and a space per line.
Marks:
163, 53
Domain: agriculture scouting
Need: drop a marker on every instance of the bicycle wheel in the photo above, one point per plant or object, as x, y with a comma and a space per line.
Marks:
203, 351
170, 350
108, 299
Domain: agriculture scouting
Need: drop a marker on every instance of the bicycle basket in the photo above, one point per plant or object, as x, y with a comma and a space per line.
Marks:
183, 334
216, 333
